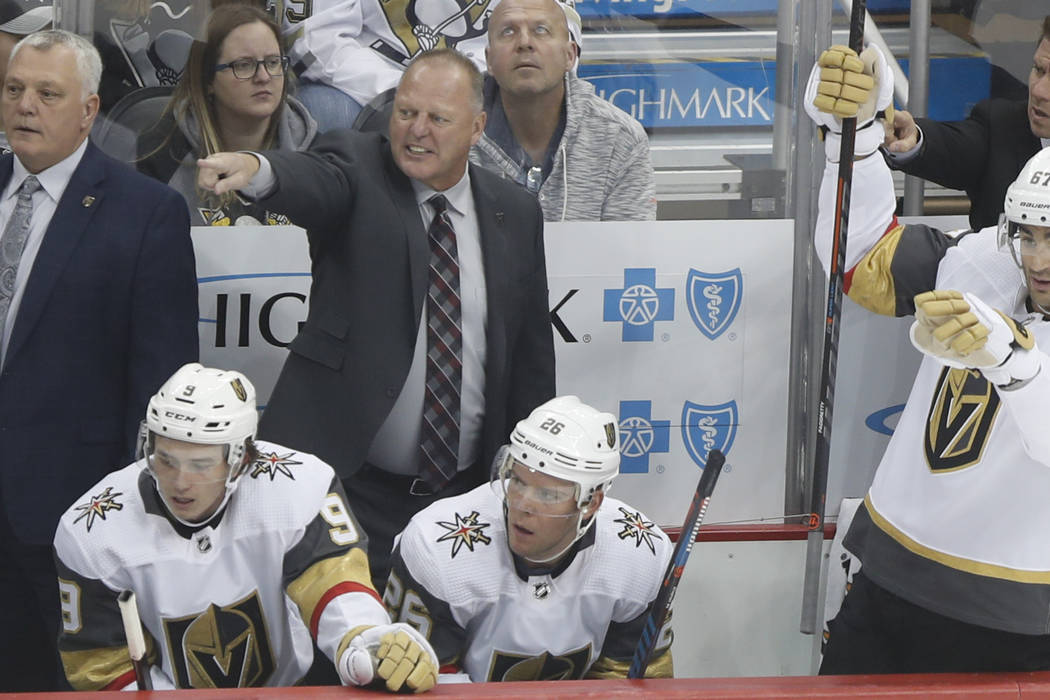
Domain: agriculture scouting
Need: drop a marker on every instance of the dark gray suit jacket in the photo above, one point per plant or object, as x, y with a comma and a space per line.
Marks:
369, 253
981, 155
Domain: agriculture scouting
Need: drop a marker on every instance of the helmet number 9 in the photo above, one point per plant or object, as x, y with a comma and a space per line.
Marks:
552, 426
1040, 177
343, 531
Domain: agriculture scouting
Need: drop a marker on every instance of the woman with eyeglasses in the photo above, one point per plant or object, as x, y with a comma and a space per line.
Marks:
233, 96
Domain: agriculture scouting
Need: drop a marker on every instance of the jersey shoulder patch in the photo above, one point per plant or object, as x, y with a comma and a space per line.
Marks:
453, 528
633, 528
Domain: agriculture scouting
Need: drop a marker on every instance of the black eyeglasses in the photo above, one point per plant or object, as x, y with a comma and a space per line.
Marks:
246, 68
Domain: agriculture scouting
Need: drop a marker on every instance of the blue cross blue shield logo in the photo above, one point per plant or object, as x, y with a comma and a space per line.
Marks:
714, 300
705, 428
640, 436
639, 304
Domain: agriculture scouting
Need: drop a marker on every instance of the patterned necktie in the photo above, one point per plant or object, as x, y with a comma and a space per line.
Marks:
439, 443
12, 243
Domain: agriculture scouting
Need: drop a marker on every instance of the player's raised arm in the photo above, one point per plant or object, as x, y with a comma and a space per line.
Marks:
224, 172
841, 85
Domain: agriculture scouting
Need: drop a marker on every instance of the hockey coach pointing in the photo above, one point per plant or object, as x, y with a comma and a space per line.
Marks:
428, 334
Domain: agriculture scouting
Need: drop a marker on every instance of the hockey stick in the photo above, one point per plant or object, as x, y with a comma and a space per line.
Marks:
662, 603
129, 613
822, 453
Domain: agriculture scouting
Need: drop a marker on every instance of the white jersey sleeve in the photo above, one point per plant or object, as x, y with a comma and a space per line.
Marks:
327, 577
871, 206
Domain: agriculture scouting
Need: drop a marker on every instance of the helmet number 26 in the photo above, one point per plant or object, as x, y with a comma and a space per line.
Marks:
552, 426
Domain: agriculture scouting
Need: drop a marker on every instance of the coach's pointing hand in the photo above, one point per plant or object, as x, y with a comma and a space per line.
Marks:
223, 172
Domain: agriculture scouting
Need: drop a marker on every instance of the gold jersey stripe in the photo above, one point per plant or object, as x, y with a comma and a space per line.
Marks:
94, 669
960, 563
310, 588
604, 668
872, 280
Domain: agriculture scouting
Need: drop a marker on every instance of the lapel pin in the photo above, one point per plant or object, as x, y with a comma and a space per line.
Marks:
499, 217
87, 201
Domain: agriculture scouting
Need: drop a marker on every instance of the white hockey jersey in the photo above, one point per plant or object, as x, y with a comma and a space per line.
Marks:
956, 518
455, 579
231, 604
363, 46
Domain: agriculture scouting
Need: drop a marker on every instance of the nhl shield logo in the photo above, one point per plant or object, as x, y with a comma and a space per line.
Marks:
705, 428
714, 300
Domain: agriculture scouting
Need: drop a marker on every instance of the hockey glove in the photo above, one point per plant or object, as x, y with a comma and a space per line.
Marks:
843, 84
397, 654
962, 331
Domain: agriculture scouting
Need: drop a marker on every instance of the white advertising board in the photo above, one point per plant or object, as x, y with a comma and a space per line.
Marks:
679, 328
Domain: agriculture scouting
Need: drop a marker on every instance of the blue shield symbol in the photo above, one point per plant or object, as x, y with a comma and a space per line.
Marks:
705, 428
714, 300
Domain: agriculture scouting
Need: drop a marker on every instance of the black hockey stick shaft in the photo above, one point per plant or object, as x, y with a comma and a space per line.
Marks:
662, 603
129, 613
822, 451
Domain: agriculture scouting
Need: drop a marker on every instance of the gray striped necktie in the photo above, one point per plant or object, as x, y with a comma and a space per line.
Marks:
13, 243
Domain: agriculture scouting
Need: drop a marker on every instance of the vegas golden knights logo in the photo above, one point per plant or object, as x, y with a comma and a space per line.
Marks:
238, 389
962, 412
422, 25
221, 647
544, 667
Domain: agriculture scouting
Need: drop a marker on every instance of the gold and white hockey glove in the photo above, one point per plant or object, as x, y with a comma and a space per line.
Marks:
843, 84
844, 88
398, 654
962, 331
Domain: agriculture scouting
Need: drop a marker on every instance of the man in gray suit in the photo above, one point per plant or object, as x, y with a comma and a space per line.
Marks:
407, 395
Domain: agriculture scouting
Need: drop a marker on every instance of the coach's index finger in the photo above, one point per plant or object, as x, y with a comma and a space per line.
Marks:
223, 172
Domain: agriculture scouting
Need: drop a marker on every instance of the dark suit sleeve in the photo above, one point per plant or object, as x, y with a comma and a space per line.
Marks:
532, 355
163, 305
316, 188
953, 154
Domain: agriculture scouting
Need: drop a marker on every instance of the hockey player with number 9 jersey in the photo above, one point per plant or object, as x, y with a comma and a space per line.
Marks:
539, 575
241, 555
951, 536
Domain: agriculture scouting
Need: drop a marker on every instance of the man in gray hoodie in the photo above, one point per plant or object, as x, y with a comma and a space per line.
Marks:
547, 129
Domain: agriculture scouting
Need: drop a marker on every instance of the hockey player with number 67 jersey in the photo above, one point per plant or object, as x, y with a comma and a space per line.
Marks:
538, 575
241, 555
951, 536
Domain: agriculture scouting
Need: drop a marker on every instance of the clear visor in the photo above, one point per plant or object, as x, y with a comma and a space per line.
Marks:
522, 488
1020, 240
170, 460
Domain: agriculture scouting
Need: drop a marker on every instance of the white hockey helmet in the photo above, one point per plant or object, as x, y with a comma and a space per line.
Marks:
206, 406
1027, 203
568, 439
